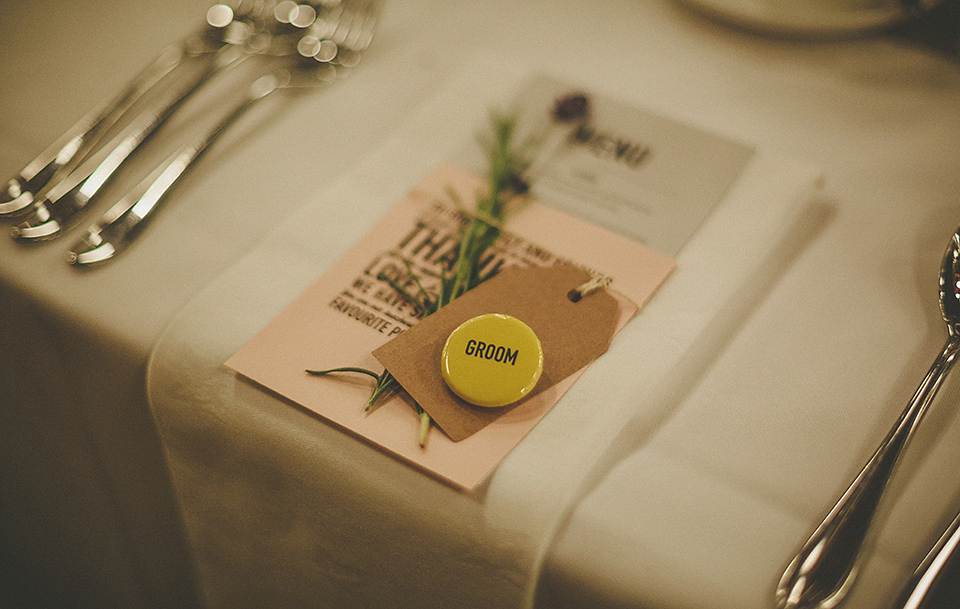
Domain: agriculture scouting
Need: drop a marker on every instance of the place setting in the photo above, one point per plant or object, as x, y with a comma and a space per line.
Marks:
368, 345
564, 325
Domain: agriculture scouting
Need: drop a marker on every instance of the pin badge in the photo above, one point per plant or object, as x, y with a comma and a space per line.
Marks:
492, 360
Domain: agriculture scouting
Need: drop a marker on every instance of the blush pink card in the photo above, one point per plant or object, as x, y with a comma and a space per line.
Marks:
351, 310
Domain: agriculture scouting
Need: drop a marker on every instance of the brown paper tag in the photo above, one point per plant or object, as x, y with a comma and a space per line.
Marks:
573, 334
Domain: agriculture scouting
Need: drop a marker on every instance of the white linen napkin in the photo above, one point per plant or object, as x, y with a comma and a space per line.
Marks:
622, 401
281, 507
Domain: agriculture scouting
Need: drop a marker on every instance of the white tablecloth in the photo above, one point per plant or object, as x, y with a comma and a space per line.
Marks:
700, 504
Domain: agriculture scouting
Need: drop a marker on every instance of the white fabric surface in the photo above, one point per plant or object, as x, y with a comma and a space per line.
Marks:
835, 348
739, 246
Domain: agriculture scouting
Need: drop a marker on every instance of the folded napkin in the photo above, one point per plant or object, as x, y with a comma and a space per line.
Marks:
283, 509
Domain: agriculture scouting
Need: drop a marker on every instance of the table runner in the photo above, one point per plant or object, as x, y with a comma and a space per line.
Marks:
280, 507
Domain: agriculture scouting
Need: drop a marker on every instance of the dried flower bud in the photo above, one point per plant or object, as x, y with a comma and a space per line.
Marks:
518, 184
572, 107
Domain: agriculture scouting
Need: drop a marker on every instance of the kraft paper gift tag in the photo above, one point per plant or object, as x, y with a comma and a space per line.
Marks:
572, 334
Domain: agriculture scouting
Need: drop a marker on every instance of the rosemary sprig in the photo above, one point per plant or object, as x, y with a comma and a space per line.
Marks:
385, 382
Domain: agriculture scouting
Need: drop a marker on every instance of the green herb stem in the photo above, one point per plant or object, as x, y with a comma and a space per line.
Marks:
344, 369
507, 163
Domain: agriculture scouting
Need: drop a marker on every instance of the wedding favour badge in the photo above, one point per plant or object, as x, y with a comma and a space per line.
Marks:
492, 360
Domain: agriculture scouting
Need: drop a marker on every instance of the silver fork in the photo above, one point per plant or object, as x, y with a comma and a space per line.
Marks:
266, 31
332, 45
68, 150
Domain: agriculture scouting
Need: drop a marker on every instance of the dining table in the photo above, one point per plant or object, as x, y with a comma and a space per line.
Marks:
684, 468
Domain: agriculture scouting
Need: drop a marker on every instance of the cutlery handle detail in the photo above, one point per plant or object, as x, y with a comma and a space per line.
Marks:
120, 223
64, 202
822, 572
920, 590
69, 148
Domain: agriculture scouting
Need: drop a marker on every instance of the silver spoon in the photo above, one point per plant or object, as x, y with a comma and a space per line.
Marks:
260, 31
57, 208
822, 572
63, 155
326, 52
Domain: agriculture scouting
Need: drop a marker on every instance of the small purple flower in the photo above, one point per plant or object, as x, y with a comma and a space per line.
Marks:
519, 185
571, 107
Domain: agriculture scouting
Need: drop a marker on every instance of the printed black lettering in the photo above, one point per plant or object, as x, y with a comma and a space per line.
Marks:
639, 158
609, 146
361, 285
367, 318
602, 145
491, 263
583, 133
432, 242
416, 230
490, 351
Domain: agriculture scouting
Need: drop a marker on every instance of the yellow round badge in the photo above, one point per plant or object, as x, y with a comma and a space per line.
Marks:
492, 360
